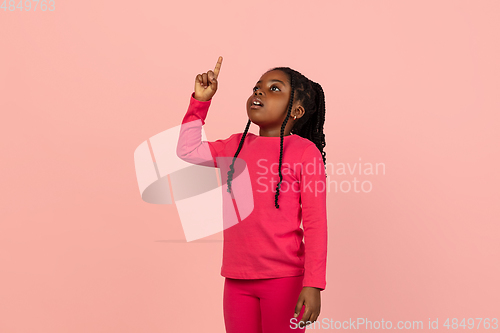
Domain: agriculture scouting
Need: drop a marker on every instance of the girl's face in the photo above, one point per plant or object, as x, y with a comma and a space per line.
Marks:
273, 91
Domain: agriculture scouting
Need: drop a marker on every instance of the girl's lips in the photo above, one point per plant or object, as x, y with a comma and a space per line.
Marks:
256, 99
253, 106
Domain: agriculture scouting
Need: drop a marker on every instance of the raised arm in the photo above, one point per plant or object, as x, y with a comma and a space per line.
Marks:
190, 146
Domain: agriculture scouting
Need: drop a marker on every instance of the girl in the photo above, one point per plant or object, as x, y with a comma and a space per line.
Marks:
272, 279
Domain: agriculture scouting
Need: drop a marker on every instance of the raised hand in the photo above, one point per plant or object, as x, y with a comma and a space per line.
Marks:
205, 84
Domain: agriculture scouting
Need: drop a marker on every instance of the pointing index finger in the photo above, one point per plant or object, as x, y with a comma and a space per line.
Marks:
217, 67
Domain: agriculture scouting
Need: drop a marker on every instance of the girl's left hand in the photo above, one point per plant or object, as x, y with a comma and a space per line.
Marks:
311, 298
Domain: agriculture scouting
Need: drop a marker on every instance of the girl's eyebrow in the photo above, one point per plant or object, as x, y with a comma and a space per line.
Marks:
273, 81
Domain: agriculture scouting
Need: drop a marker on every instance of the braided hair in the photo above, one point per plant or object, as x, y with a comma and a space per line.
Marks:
310, 126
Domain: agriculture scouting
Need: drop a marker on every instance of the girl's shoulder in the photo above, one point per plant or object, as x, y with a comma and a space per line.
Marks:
304, 143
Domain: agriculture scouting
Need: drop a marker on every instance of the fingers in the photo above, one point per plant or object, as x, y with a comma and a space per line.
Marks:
217, 67
305, 317
308, 317
199, 79
298, 307
210, 77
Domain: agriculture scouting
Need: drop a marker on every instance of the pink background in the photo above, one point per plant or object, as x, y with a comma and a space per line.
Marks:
410, 84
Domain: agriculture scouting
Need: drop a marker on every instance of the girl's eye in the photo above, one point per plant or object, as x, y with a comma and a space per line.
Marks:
271, 88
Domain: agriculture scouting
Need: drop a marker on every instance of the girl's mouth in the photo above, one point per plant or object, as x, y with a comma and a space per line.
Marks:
256, 103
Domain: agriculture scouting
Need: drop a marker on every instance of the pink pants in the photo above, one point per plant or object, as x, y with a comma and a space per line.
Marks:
262, 305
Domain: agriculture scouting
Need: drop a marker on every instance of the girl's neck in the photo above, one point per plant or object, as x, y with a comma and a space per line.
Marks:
273, 133
277, 137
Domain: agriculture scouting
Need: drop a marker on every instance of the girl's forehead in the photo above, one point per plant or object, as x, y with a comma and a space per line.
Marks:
274, 75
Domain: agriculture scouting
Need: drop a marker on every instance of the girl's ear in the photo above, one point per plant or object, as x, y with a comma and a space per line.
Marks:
298, 111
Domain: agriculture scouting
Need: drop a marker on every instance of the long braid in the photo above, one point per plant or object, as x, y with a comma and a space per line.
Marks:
231, 172
320, 142
310, 126
311, 96
281, 144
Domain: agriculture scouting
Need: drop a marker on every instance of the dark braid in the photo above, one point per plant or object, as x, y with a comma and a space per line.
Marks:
281, 143
310, 126
231, 172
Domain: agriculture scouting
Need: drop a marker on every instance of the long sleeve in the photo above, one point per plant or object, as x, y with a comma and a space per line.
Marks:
190, 146
314, 217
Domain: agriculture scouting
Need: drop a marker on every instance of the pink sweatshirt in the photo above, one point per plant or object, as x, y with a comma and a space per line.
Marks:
268, 243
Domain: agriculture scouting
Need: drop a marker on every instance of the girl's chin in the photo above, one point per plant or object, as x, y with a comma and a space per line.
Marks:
253, 113
254, 119
256, 111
